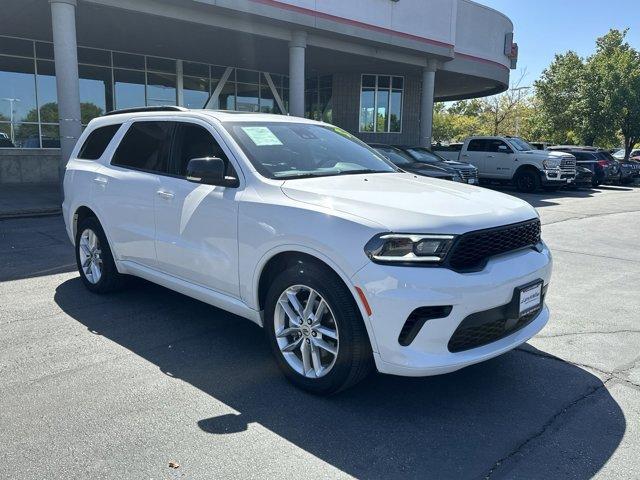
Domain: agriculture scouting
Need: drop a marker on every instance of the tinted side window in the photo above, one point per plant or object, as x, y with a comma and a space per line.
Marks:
97, 141
477, 146
494, 146
145, 147
194, 141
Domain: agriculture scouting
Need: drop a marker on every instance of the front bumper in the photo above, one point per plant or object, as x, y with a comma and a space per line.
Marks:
557, 177
393, 292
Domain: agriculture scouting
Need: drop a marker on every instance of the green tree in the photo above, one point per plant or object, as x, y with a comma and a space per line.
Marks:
558, 94
614, 75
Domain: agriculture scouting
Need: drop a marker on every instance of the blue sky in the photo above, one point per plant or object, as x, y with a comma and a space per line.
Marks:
546, 27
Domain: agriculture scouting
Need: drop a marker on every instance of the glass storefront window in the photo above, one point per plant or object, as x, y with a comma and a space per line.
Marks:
50, 137
128, 88
115, 80
157, 64
17, 89
128, 60
195, 91
94, 56
248, 99
161, 89
95, 92
381, 103
228, 96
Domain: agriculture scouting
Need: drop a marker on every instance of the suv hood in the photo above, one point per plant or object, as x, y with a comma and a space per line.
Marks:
402, 202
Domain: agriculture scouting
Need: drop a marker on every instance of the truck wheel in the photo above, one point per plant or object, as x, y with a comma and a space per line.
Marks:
315, 330
527, 181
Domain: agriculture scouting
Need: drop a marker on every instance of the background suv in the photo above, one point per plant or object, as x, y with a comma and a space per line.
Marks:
298, 226
605, 168
466, 172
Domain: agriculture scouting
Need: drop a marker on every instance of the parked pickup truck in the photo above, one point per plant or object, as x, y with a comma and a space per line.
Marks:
512, 160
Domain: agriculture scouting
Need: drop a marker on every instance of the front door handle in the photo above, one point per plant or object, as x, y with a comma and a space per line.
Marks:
165, 194
101, 181
491, 156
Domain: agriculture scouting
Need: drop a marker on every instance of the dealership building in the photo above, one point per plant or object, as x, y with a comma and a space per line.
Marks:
372, 67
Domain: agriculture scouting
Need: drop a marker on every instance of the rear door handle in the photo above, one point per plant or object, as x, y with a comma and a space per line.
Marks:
491, 156
165, 194
101, 181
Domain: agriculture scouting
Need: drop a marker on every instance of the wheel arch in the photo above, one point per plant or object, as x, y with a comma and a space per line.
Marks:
526, 166
79, 214
274, 262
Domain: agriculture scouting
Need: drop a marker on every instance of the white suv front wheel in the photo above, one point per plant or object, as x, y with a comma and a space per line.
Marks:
315, 330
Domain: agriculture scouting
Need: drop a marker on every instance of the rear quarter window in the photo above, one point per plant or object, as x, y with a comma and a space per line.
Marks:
97, 141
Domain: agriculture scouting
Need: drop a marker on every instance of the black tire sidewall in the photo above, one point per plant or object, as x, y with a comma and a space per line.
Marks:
109, 270
526, 188
346, 315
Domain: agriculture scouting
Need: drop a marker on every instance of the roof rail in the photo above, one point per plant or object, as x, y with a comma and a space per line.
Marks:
162, 108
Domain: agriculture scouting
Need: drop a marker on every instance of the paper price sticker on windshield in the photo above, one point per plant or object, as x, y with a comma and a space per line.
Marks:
261, 136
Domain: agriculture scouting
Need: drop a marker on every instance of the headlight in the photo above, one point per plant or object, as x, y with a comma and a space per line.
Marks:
399, 247
551, 163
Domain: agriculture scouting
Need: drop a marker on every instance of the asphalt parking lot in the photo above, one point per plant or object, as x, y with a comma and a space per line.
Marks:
118, 386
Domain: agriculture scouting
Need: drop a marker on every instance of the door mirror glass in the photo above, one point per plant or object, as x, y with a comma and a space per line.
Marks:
209, 171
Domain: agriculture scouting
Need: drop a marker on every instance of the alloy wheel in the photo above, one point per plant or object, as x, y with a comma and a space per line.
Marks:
90, 256
306, 331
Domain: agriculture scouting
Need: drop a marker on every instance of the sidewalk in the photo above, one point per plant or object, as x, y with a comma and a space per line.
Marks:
28, 200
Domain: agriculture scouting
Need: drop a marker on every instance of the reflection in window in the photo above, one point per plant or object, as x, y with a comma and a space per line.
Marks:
195, 91
50, 136
47, 93
95, 92
248, 98
129, 88
17, 89
381, 103
161, 89
318, 98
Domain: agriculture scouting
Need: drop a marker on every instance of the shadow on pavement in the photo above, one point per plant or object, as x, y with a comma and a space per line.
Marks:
496, 415
33, 247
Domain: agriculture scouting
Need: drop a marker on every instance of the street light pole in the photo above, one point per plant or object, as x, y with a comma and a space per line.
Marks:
11, 102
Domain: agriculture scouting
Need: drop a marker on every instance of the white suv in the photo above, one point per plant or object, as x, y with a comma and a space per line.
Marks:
296, 225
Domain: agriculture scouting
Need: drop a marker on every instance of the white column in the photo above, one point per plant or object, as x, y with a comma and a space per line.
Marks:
426, 105
297, 47
179, 83
65, 49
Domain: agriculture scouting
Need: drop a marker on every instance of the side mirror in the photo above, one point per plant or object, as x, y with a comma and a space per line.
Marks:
503, 148
209, 171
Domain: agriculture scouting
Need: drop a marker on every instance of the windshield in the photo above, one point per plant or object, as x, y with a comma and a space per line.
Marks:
297, 150
520, 144
398, 157
424, 155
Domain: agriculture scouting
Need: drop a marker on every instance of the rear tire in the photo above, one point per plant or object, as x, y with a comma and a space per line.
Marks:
527, 180
297, 327
94, 258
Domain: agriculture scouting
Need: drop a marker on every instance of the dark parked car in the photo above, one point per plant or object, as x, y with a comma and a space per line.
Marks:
467, 172
604, 167
408, 164
584, 177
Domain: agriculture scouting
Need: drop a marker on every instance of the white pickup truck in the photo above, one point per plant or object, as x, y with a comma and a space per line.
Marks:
512, 160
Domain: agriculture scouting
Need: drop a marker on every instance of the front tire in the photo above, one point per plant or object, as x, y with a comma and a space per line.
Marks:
94, 258
527, 181
315, 330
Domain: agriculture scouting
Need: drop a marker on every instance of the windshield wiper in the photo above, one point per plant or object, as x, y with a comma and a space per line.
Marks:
363, 170
307, 175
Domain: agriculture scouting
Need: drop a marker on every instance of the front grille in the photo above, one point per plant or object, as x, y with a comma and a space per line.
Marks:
468, 174
485, 327
568, 165
472, 250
